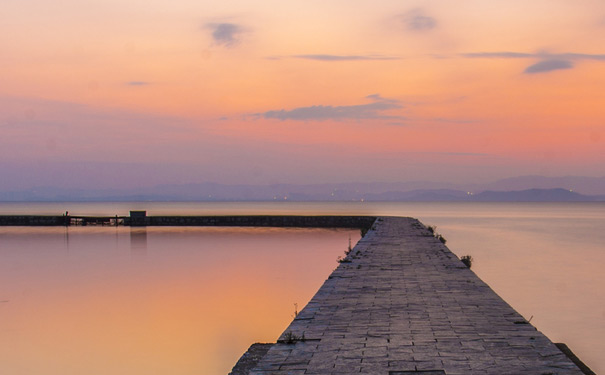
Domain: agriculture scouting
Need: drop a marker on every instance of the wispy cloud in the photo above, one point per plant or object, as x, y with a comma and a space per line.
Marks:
445, 154
418, 20
580, 56
322, 57
373, 110
225, 34
138, 83
548, 61
461, 154
452, 120
545, 66
498, 55
541, 55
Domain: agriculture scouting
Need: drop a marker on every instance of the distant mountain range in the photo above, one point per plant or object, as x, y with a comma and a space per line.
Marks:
519, 189
582, 185
529, 195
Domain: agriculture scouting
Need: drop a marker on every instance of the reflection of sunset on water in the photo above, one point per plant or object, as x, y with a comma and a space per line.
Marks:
190, 303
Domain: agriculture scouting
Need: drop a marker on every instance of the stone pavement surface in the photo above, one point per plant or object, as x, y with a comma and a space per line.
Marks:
402, 303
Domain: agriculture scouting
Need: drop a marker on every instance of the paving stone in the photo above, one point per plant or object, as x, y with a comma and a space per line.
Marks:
406, 303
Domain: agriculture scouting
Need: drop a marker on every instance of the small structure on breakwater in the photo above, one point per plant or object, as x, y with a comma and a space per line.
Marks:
138, 218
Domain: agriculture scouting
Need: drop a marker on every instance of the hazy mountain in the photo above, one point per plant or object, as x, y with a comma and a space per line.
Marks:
525, 188
443, 195
534, 195
436, 195
280, 192
582, 185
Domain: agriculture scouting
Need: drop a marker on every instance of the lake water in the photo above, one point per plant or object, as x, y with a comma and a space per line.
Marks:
103, 300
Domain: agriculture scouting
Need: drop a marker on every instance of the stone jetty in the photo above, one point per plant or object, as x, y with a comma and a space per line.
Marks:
140, 218
402, 303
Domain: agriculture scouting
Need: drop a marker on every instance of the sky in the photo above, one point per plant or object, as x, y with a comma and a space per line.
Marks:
131, 93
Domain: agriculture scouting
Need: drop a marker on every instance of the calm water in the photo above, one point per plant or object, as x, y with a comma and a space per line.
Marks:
191, 300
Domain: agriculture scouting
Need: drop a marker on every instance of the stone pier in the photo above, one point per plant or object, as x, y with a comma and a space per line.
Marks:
402, 303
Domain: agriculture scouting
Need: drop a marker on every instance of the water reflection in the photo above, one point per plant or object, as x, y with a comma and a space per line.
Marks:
196, 301
66, 238
138, 241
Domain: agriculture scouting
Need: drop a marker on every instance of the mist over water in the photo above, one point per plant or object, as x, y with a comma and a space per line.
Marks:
182, 300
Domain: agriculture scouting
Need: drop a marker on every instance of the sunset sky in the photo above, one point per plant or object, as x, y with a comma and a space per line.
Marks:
108, 92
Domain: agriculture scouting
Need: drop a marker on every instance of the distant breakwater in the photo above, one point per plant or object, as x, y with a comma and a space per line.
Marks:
139, 218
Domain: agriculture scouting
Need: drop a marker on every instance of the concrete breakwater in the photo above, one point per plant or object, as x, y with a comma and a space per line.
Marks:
402, 303
33, 220
138, 218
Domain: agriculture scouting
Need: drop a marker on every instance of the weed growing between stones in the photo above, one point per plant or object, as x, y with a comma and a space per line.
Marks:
433, 232
347, 252
467, 260
291, 338
364, 231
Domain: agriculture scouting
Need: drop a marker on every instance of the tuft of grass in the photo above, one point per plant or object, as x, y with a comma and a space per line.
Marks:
467, 260
291, 338
433, 232
347, 252
349, 248
364, 231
